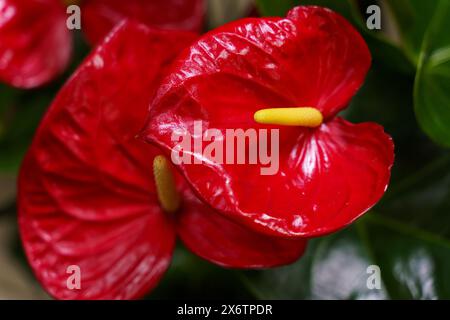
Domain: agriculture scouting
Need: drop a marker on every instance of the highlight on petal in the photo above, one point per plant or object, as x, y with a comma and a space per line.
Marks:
312, 58
35, 44
327, 178
86, 190
228, 244
100, 16
116, 258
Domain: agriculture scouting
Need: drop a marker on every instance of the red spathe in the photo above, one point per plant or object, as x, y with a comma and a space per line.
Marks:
86, 189
35, 44
100, 16
329, 176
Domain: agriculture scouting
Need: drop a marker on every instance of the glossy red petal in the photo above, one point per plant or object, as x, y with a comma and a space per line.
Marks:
86, 191
312, 58
223, 242
100, 16
35, 44
327, 178
118, 258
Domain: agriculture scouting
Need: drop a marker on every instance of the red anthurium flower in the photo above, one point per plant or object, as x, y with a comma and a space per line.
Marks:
35, 44
88, 196
293, 74
100, 16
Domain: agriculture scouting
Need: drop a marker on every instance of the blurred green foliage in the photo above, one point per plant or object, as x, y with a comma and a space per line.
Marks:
19, 116
432, 89
22, 110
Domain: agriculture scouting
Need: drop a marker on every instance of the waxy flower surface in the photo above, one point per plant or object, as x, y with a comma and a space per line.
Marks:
100, 16
35, 42
89, 196
293, 74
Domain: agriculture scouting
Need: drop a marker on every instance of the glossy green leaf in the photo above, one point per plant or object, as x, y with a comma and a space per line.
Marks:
422, 199
413, 18
412, 266
414, 263
334, 267
432, 86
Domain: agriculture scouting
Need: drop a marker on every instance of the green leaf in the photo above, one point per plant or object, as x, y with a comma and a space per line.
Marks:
333, 267
413, 265
413, 18
422, 200
407, 236
432, 85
